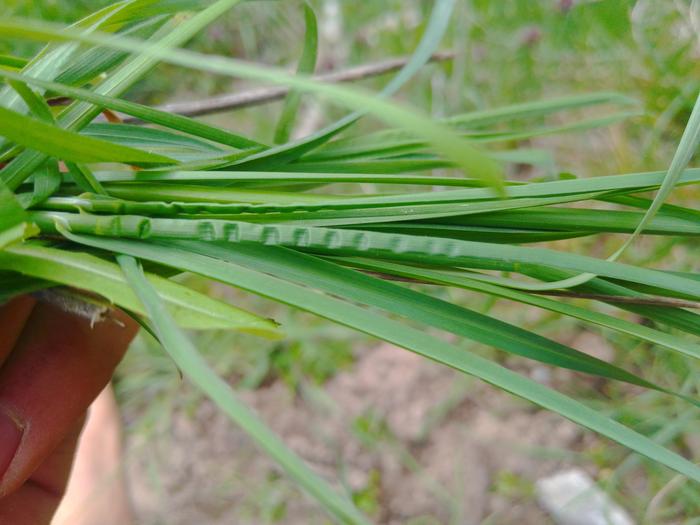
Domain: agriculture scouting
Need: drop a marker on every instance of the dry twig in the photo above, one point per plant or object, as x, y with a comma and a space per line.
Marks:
259, 96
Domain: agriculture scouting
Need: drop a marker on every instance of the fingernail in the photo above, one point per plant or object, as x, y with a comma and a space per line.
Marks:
10, 437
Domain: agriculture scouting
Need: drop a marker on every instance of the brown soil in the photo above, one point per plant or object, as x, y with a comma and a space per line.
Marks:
442, 447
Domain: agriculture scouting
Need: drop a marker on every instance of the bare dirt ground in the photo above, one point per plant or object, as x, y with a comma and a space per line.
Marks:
422, 443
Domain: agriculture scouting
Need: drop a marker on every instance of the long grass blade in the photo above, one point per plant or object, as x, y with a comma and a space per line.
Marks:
441, 139
195, 368
402, 248
67, 145
191, 309
307, 65
214, 265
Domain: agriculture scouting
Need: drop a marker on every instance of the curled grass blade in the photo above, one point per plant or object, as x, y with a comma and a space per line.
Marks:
402, 248
686, 149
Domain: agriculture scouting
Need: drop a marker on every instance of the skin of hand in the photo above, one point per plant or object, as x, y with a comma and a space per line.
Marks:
52, 366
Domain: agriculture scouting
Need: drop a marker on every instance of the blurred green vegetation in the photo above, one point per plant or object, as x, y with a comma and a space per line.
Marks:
507, 52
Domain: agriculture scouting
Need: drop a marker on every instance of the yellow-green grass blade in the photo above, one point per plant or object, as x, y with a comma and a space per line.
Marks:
191, 309
14, 225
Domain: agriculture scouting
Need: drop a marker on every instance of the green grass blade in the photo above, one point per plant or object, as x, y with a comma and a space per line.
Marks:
84, 178
144, 59
674, 317
191, 309
78, 115
401, 248
68, 145
628, 183
441, 139
688, 146
214, 265
286, 153
145, 113
463, 280
11, 212
369, 216
37, 105
13, 61
571, 219
278, 214
13, 219
48, 62
358, 287
194, 193
477, 233
47, 181
197, 370
307, 65
152, 138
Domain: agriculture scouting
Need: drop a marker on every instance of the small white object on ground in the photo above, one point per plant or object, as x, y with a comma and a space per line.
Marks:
572, 498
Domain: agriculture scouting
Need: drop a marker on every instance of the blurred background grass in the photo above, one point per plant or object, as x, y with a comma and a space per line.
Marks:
506, 52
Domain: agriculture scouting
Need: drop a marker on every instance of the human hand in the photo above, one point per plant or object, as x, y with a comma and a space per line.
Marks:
52, 366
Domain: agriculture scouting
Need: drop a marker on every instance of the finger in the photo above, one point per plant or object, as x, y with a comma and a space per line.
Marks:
53, 473
59, 366
97, 491
13, 315
35, 502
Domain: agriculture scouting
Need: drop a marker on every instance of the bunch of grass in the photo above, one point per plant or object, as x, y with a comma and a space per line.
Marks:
84, 205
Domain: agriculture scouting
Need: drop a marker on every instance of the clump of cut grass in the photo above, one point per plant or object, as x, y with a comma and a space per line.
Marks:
85, 204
